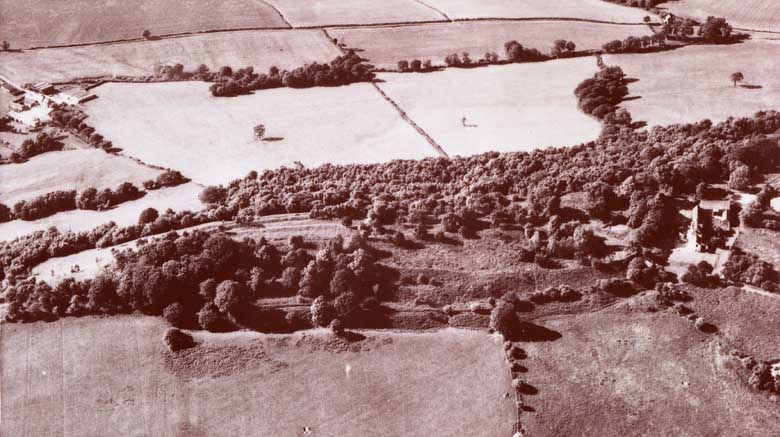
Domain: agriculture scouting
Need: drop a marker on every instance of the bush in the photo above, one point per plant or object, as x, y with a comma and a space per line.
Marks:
503, 319
177, 340
148, 215
176, 315
337, 327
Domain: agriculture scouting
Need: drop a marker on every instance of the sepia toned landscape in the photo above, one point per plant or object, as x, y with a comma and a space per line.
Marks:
403, 218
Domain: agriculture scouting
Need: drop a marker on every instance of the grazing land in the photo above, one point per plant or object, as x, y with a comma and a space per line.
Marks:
507, 108
746, 14
624, 371
52, 22
301, 13
69, 170
82, 376
259, 49
578, 9
385, 46
179, 198
693, 83
164, 124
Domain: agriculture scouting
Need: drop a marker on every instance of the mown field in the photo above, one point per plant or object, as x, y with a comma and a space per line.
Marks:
69, 170
260, 49
385, 46
692, 83
53, 22
182, 197
628, 372
84, 376
509, 108
209, 139
329, 12
579, 9
747, 14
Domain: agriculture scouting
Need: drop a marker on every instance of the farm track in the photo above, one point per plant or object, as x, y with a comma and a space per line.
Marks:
335, 26
437, 10
278, 11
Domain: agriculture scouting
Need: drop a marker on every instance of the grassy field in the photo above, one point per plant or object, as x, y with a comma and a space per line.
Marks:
330, 12
53, 22
580, 9
182, 197
747, 14
626, 372
69, 170
693, 83
84, 376
512, 107
260, 49
385, 46
181, 126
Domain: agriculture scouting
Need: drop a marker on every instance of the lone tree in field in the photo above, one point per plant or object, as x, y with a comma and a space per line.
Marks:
6, 45
737, 77
259, 131
147, 34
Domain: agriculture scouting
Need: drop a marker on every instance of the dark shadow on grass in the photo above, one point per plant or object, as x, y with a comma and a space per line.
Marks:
528, 389
751, 87
352, 336
708, 328
536, 333
272, 139
528, 409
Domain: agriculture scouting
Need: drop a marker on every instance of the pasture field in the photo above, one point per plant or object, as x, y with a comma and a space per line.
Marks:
302, 13
83, 376
211, 140
385, 46
52, 22
577, 9
182, 197
746, 14
694, 82
507, 108
69, 170
625, 371
260, 49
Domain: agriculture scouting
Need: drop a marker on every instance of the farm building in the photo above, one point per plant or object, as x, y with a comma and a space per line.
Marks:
44, 88
712, 218
73, 96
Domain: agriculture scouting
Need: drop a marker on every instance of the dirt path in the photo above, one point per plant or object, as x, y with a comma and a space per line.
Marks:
435, 9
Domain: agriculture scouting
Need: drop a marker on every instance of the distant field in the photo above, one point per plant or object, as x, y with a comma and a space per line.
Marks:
514, 107
260, 49
615, 373
329, 12
385, 46
581, 9
69, 170
747, 14
54, 22
84, 376
183, 197
209, 139
692, 83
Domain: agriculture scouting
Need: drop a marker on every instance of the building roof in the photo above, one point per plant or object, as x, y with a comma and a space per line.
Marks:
714, 204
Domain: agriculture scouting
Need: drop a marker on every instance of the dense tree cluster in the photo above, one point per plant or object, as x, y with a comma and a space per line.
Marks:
59, 201
633, 44
744, 268
562, 47
415, 66
342, 70
45, 205
753, 215
645, 4
31, 147
168, 178
208, 280
515, 52
73, 119
601, 95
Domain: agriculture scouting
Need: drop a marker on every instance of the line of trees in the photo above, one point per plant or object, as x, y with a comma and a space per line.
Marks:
168, 178
633, 44
73, 120
42, 143
644, 4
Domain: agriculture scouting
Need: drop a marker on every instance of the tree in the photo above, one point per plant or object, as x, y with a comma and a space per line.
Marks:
715, 29
148, 216
6, 45
321, 312
175, 315
210, 319
503, 319
403, 65
740, 178
147, 34
259, 131
415, 65
230, 296
213, 195
337, 327
737, 77
646, 19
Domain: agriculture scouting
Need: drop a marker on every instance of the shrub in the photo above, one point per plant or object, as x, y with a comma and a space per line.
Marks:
503, 319
321, 312
177, 340
337, 327
148, 215
176, 315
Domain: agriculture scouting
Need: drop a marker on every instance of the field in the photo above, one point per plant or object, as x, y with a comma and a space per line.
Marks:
385, 46
181, 126
512, 108
578, 9
746, 14
83, 376
69, 170
301, 13
260, 49
692, 83
53, 22
182, 197
617, 373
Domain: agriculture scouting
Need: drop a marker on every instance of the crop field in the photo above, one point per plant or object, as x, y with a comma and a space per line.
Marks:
507, 108
385, 46
747, 14
617, 373
164, 124
69, 170
578, 9
693, 83
301, 13
260, 49
52, 22
83, 376
182, 197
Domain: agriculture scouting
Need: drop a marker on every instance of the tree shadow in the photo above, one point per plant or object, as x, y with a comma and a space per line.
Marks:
272, 139
536, 333
528, 389
528, 409
352, 336
708, 328
751, 87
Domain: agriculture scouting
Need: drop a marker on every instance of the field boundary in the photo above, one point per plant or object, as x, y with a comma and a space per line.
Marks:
439, 11
278, 11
